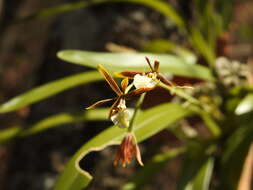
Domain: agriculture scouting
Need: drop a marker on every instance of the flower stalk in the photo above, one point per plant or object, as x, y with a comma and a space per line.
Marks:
136, 110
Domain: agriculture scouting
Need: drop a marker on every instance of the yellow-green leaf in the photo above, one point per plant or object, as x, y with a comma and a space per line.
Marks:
52, 121
48, 90
148, 123
136, 61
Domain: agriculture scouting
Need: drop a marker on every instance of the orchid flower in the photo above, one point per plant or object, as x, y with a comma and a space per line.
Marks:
118, 113
146, 79
150, 79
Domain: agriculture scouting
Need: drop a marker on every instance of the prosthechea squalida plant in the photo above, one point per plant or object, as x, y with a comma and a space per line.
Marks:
120, 115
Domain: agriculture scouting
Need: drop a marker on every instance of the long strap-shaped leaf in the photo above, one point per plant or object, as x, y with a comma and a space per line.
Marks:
53, 121
234, 155
158, 5
148, 123
48, 90
197, 167
115, 62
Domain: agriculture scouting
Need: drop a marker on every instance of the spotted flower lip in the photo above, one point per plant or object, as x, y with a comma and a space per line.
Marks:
127, 150
118, 109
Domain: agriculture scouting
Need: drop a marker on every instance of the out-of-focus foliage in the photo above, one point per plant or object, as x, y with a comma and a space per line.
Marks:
48, 90
52, 121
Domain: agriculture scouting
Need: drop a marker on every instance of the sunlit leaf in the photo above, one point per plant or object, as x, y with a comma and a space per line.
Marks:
115, 62
48, 90
147, 124
145, 174
246, 105
51, 122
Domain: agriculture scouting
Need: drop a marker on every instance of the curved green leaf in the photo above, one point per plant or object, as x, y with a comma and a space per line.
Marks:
235, 152
203, 178
52, 121
161, 6
165, 46
197, 166
135, 61
48, 90
145, 174
148, 123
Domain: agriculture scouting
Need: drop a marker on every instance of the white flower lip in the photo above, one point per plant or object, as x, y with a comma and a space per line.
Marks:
121, 118
142, 81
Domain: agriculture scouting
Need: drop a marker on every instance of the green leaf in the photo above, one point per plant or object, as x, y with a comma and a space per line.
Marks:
164, 46
161, 6
48, 90
53, 121
135, 61
203, 178
145, 174
226, 9
235, 152
197, 166
200, 44
148, 123
245, 106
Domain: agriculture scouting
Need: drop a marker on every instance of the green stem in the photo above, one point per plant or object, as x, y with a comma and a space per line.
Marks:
208, 120
137, 107
181, 93
201, 110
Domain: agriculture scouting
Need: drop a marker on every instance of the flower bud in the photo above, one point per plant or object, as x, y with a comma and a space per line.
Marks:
121, 118
127, 150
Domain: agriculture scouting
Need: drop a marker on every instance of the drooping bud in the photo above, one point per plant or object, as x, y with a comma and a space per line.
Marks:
127, 149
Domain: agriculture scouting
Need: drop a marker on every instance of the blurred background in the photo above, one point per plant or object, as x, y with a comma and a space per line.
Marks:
28, 47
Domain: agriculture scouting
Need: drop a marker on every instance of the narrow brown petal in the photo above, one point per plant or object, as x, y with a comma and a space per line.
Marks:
137, 92
147, 59
138, 155
110, 80
128, 74
156, 66
114, 106
164, 80
124, 84
99, 103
